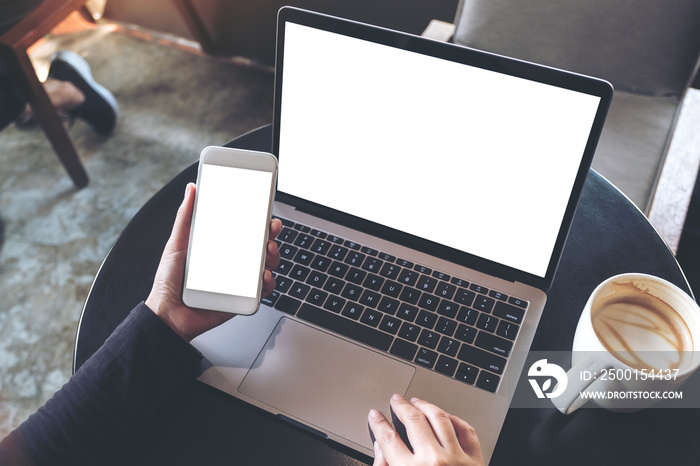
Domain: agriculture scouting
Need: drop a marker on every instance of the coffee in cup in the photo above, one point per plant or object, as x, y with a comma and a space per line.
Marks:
640, 329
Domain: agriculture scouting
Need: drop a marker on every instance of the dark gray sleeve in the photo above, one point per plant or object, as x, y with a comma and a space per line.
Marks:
105, 404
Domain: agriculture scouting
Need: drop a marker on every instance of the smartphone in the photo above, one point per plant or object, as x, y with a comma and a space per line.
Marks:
229, 231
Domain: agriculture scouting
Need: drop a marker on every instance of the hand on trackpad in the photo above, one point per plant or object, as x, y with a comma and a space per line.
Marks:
324, 381
399, 427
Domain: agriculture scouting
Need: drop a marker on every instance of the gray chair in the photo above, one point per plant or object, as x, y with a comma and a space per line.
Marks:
648, 50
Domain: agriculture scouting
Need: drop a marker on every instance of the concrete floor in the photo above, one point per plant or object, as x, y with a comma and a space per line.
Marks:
173, 104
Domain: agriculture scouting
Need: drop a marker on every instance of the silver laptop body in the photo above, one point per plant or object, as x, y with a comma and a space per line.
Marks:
441, 183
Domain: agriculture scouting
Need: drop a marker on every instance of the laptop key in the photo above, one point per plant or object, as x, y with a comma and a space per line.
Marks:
465, 333
321, 246
426, 357
355, 275
299, 272
287, 251
334, 285
404, 349
316, 278
303, 257
428, 301
392, 289
483, 303
409, 331
287, 304
426, 283
285, 222
334, 304
481, 358
447, 309
353, 310
351, 292
373, 282
355, 258
337, 252
283, 283
387, 257
299, 290
369, 251
445, 290
446, 365
479, 288
371, 317
370, 299
270, 299
372, 264
448, 346
508, 312
428, 338
426, 319
487, 323
518, 302
317, 297
346, 327
494, 344
320, 263
407, 312
468, 316
408, 277
410, 295
465, 297
288, 235
507, 330
390, 324
446, 326
304, 241
338, 269
284, 267
466, 373
388, 305
488, 381
390, 271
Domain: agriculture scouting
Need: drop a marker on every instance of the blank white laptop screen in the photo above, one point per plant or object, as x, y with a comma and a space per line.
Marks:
405, 140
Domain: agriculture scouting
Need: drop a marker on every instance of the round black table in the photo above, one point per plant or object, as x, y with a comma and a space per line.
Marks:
200, 425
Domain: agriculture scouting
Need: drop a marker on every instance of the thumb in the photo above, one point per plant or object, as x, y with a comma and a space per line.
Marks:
180, 235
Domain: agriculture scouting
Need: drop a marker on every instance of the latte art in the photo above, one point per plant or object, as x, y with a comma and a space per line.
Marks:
643, 332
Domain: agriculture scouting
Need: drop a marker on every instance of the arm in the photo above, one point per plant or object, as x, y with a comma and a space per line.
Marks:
123, 384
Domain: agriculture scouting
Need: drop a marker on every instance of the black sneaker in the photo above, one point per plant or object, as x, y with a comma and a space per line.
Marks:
100, 109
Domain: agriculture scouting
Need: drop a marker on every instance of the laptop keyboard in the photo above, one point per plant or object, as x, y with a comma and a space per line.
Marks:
460, 329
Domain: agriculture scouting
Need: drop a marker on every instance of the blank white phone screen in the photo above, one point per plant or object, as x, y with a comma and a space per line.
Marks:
229, 230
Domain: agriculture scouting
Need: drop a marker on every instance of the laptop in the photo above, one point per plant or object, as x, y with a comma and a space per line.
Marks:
426, 192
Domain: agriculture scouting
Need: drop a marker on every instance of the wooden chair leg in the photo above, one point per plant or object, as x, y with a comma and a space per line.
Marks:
195, 25
47, 116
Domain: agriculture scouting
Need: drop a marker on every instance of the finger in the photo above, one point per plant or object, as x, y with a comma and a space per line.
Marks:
394, 451
272, 256
180, 235
467, 437
275, 228
440, 422
418, 428
379, 459
269, 283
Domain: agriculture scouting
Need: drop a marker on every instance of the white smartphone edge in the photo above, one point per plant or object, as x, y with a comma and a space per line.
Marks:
239, 158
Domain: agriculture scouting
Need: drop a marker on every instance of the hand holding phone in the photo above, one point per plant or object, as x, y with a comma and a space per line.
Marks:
229, 231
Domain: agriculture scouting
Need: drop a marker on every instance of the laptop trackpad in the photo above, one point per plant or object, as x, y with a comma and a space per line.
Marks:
324, 381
